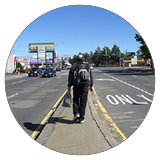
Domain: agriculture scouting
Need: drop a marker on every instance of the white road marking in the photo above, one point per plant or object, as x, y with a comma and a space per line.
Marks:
105, 79
18, 81
129, 85
46, 81
142, 96
12, 95
114, 100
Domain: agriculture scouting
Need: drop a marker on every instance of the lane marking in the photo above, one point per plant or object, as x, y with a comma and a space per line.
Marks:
130, 85
12, 95
46, 81
47, 117
108, 117
18, 81
105, 79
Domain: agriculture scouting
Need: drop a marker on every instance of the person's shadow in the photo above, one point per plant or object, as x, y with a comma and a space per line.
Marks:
60, 120
33, 127
52, 120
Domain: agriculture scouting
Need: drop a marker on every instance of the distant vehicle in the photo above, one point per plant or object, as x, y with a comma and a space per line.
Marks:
34, 72
58, 69
91, 67
63, 68
68, 66
49, 72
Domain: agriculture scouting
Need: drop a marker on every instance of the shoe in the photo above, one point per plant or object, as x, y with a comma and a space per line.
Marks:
76, 117
82, 120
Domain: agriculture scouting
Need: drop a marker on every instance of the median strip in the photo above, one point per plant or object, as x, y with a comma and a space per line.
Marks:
35, 133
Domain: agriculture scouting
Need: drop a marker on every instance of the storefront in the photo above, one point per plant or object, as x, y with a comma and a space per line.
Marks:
42, 64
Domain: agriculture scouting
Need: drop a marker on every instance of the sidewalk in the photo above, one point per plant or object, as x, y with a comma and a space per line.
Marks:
61, 134
9, 76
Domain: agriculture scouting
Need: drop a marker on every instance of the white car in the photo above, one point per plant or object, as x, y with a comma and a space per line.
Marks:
91, 67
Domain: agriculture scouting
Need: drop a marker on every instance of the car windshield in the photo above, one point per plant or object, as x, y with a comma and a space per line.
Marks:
48, 69
34, 69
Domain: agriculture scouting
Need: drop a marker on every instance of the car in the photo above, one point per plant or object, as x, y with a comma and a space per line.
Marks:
63, 68
34, 71
49, 72
58, 69
68, 66
91, 67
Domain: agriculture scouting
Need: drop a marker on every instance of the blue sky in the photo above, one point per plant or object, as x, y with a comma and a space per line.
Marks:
80, 28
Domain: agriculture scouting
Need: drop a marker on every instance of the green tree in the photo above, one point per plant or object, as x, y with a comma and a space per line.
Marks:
87, 57
73, 60
144, 49
18, 65
115, 55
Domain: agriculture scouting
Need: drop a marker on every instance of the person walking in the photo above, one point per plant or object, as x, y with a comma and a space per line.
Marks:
80, 77
18, 71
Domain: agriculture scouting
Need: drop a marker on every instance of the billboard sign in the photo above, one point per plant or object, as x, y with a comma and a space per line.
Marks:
49, 46
41, 50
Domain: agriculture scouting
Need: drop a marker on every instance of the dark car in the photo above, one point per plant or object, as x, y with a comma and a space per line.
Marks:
49, 72
63, 68
34, 72
58, 69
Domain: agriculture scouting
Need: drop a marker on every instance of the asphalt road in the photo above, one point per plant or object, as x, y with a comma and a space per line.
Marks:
31, 98
126, 94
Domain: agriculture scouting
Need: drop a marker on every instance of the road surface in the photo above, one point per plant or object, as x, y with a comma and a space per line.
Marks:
125, 93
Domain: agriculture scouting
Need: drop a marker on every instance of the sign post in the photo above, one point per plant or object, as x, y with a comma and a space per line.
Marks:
134, 60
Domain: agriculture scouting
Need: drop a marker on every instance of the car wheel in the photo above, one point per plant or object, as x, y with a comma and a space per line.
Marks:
29, 75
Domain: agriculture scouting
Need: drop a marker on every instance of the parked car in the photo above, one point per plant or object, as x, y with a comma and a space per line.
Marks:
49, 72
34, 72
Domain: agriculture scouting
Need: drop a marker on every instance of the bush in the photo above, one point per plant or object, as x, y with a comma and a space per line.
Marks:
18, 65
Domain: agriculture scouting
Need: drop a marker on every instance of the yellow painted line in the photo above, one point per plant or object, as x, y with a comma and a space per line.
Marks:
47, 117
108, 117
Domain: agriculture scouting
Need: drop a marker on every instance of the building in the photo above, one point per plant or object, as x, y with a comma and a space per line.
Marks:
11, 63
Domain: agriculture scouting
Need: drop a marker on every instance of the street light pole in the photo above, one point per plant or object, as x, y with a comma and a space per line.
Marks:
119, 52
55, 50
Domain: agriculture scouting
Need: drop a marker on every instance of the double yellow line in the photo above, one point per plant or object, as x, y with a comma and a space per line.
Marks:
34, 134
108, 117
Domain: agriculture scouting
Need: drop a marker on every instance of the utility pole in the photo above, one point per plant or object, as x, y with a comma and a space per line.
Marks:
46, 57
105, 49
53, 53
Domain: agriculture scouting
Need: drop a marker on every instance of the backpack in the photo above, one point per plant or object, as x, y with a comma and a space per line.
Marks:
81, 75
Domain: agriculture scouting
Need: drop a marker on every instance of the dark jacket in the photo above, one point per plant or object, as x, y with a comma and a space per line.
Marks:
71, 77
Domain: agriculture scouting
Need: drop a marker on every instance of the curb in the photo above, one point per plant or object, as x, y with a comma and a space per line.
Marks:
100, 125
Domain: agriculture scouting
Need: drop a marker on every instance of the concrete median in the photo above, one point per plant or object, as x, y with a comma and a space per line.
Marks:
63, 135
